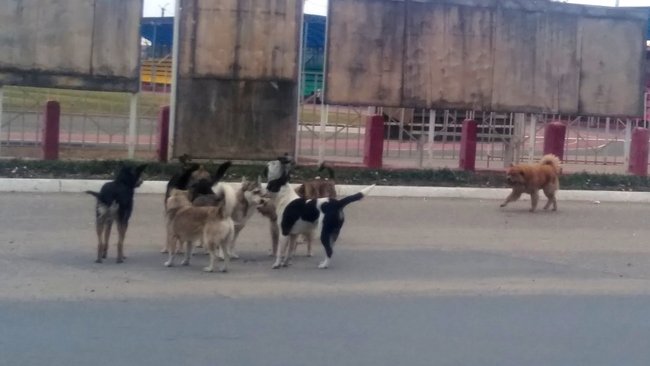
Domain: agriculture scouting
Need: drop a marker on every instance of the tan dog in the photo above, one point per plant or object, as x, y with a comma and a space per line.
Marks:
319, 187
213, 225
530, 178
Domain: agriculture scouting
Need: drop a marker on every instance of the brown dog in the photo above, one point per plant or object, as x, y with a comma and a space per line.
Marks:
319, 187
212, 224
530, 178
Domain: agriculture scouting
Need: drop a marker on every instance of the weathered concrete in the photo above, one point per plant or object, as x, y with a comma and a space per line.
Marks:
238, 76
80, 44
509, 56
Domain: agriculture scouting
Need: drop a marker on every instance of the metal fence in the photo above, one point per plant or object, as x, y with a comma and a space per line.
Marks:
431, 138
92, 124
96, 125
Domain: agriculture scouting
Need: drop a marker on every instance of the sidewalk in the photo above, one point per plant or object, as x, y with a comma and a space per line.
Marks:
158, 187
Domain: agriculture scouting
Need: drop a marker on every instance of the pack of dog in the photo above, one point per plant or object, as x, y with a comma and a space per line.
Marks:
200, 208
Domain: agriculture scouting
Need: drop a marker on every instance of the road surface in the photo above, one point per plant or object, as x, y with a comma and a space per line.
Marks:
413, 282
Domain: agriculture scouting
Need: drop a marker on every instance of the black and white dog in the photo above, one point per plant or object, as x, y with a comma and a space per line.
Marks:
309, 217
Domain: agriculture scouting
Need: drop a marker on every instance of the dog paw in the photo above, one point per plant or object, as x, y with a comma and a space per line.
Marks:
276, 266
234, 256
208, 269
502, 205
223, 270
324, 264
169, 264
98, 261
185, 262
119, 260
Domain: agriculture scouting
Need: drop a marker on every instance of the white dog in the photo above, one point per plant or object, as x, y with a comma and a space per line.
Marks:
296, 216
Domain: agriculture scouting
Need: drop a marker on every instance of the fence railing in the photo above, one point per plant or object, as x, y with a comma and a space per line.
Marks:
412, 138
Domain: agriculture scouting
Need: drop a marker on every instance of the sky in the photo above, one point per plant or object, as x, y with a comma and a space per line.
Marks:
153, 7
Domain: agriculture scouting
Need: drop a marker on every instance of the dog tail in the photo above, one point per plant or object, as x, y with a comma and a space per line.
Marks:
330, 171
553, 161
92, 193
226, 191
221, 171
355, 197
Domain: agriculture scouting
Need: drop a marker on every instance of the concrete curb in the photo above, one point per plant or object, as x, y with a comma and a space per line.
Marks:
158, 187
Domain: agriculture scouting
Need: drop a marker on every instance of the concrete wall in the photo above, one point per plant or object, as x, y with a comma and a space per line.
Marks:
80, 44
499, 55
238, 72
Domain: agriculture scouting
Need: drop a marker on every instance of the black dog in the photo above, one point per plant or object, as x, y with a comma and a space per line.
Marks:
200, 190
115, 203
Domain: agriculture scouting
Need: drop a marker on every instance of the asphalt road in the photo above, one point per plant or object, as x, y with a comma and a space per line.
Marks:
413, 282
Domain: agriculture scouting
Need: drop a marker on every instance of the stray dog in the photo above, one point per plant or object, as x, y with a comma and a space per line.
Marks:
211, 224
115, 203
323, 216
199, 182
530, 178
319, 188
314, 189
249, 198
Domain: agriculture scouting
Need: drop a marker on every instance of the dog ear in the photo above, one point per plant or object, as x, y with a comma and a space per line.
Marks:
259, 180
265, 172
140, 168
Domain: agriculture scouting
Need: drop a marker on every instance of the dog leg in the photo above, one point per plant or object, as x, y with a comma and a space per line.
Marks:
226, 256
293, 242
326, 240
121, 231
171, 247
231, 246
309, 238
534, 198
188, 253
284, 243
108, 226
550, 194
211, 246
513, 196
275, 237
100, 244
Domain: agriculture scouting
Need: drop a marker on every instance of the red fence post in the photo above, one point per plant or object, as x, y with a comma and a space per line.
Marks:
639, 152
374, 142
554, 137
468, 138
51, 130
163, 134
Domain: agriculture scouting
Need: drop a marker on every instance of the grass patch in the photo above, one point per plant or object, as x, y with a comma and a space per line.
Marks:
104, 169
28, 99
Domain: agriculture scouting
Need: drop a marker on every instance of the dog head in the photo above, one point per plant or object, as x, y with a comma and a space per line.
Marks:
275, 169
515, 176
177, 199
252, 191
131, 176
